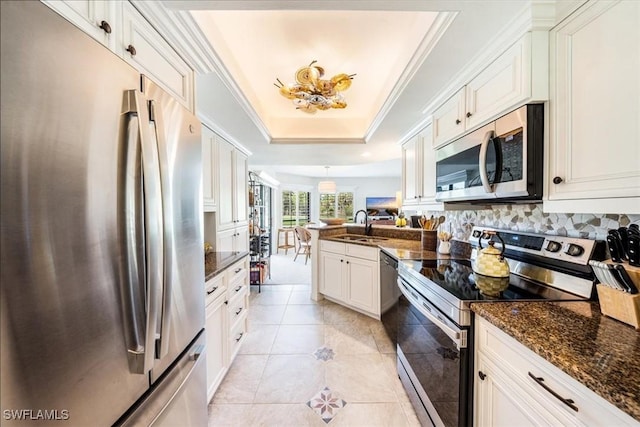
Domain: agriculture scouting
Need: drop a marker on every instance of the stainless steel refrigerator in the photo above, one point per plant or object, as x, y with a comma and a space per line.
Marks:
102, 307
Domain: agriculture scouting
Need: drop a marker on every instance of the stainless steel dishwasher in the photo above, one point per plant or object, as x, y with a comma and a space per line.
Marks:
389, 294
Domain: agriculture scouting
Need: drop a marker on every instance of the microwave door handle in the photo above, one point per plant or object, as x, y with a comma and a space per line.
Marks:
488, 188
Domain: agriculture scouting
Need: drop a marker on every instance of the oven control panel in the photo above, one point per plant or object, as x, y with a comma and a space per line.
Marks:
564, 248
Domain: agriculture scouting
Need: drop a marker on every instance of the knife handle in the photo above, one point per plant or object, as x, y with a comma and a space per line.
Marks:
634, 249
615, 248
625, 279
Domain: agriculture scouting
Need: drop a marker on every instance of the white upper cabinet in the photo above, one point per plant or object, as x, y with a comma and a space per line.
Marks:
518, 76
594, 141
411, 171
448, 119
122, 29
428, 194
96, 18
232, 193
419, 171
145, 49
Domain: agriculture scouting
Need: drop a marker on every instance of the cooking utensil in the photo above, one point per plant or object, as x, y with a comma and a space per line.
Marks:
438, 221
615, 246
625, 279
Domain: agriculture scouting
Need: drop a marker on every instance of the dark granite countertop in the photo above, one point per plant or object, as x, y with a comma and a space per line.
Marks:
601, 353
215, 262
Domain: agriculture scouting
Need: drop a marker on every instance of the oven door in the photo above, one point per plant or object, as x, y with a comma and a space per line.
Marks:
433, 361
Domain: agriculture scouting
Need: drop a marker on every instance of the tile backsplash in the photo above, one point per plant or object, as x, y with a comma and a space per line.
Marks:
530, 218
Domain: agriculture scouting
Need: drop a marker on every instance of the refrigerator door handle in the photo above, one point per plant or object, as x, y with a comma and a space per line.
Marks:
162, 343
152, 242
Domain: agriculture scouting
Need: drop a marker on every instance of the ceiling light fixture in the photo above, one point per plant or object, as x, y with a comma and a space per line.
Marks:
327, 187
311, 93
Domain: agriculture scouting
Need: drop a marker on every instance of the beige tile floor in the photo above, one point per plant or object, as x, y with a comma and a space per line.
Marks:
276, 373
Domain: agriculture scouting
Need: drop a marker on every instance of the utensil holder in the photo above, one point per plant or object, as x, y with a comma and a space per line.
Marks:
429, 240
620, 305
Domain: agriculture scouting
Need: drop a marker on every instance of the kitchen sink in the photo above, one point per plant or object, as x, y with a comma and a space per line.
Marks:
360, 238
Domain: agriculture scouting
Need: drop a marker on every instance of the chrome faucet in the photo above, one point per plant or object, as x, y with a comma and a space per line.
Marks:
367, 227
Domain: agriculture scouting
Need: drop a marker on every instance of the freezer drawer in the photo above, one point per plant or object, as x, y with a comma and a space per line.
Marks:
179, 398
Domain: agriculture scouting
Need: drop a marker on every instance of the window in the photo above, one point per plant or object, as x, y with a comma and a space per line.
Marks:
338, 205
295, 208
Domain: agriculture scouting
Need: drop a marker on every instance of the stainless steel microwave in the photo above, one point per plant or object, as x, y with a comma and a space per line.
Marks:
497, 163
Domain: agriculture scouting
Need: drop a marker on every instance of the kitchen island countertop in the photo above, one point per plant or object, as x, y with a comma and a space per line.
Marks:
599, 352
215, 262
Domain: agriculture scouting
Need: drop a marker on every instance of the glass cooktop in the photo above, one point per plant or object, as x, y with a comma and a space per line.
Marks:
457, 278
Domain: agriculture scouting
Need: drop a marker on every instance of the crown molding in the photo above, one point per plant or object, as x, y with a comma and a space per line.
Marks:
416, 129
428, 43
180, 29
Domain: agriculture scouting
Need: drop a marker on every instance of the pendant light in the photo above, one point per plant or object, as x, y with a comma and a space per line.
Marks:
327, 187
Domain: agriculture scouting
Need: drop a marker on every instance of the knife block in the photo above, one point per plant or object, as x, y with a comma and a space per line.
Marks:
620, 305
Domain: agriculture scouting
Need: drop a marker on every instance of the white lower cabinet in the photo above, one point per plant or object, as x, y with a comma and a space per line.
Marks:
226, 320
216, 336
349, 274
513, 386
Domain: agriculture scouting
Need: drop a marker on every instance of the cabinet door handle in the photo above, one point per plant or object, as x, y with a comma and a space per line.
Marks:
469, 115
237, 270
105, 27
131, 50
238, 288
347, 262
212, 290
458, 121
239, 311
482, 375
557, 180
569, 402
239, 336
341, 260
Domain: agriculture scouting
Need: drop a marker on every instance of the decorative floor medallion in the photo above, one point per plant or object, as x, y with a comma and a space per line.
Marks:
325, 404
324, 353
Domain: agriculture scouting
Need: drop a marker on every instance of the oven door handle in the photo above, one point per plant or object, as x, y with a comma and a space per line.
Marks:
484, 177
459, 337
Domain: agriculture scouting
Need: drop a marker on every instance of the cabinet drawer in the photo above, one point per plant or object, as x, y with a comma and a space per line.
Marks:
237, 336
237, 308
364, 252
329, 246
214, 287
237, 288
236, 272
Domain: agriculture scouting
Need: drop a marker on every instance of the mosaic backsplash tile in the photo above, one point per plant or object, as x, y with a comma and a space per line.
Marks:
530, 218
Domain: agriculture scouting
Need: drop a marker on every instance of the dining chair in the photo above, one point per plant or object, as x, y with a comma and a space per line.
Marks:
304, 243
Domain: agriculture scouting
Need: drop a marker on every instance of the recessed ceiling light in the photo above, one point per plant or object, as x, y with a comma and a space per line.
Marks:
366, 154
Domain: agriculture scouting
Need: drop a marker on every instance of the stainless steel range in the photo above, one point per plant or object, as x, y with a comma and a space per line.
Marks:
434, 320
